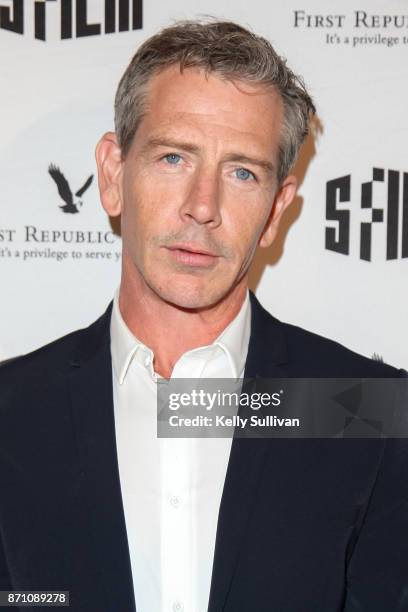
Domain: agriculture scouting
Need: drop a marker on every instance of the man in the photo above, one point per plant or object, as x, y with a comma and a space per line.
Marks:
209, 121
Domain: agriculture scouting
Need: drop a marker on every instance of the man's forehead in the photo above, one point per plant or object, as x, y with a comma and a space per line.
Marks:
210, 102
170, 80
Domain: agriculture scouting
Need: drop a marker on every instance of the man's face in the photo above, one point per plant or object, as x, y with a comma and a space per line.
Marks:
200, 174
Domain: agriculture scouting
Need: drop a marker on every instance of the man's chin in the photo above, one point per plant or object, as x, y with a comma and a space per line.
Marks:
192, 298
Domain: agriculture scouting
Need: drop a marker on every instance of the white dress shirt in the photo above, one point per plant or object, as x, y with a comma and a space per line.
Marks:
171, 487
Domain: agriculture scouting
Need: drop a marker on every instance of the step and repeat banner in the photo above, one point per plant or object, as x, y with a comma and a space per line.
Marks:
340, 264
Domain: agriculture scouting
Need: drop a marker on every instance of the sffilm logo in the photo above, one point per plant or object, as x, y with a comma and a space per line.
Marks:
12, 17
338, 238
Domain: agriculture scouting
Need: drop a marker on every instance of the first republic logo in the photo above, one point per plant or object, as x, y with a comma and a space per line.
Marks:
338, 190
128, 13
65, 192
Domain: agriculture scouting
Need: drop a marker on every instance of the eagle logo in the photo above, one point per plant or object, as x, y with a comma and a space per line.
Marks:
65, 192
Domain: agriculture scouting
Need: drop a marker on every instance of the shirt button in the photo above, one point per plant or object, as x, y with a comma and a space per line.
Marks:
178, 606
175, 502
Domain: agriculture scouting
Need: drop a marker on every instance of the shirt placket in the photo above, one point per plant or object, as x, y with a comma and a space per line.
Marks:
176, 524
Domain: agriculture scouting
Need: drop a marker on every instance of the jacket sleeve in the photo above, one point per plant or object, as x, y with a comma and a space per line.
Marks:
5, 582
377, 573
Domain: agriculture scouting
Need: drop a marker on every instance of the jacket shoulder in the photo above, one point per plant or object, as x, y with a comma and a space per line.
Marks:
51, 352
52, 358
327, 357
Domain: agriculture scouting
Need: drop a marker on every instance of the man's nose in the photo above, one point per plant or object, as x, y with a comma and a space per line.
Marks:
202, 200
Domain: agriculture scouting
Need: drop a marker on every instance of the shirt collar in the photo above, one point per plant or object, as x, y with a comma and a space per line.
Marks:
233, 340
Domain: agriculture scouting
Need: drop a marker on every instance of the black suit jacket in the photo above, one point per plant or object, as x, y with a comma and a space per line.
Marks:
304, 525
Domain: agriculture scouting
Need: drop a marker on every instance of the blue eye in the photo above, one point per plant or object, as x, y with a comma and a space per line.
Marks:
172, 158
244, 174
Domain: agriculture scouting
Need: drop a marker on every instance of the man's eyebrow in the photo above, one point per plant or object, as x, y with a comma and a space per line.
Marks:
245, 159
169, 142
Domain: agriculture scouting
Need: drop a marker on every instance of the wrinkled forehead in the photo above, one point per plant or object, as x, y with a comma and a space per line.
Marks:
213, 104
195, 84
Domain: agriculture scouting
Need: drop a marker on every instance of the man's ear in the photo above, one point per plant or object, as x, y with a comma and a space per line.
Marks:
109, 162
283, 198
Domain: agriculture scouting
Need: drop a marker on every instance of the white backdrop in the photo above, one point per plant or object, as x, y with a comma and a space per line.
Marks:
59, 270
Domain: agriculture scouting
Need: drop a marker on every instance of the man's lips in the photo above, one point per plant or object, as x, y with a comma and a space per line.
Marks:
192, 255
191, 248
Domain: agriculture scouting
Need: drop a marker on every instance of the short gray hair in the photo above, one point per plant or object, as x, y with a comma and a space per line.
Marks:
229, 50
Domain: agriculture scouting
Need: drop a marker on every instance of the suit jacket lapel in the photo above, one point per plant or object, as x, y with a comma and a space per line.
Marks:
90, 383
267, 354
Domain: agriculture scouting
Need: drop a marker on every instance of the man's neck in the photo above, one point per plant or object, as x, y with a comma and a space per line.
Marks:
170, 331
